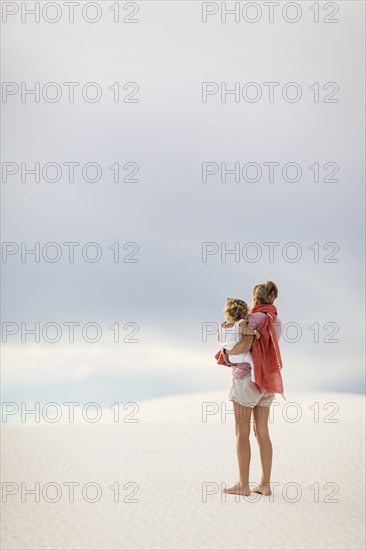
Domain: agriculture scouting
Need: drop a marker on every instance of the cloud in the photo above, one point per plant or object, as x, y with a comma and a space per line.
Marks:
170, 212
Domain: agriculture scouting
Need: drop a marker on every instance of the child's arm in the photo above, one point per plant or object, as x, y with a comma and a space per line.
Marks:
218, 332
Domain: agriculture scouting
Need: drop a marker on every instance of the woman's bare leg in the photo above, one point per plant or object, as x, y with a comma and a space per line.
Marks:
261, 433
242, 430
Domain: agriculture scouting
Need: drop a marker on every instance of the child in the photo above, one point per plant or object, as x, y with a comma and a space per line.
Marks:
231, 332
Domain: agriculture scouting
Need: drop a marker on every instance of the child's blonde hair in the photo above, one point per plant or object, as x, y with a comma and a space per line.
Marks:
236, 308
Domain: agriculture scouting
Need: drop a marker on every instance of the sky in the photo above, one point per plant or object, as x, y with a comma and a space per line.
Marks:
173, 229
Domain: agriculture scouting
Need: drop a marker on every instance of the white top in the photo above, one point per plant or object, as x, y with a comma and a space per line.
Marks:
229, 337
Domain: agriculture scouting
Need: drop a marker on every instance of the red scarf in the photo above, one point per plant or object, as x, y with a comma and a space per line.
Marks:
266, 353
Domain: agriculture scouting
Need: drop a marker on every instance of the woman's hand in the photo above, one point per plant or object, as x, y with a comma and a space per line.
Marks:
245, 330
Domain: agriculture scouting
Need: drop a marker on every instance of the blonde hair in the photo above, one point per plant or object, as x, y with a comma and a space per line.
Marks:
265, 293
236, 308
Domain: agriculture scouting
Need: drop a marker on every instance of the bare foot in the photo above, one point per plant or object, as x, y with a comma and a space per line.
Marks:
237, 489
263, 489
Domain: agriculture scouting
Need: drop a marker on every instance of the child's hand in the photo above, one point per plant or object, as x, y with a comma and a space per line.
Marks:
257, 335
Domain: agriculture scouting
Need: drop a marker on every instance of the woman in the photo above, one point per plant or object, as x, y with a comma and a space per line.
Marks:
267, 370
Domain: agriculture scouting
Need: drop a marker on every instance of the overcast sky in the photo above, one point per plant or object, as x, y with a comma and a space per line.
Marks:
170, 292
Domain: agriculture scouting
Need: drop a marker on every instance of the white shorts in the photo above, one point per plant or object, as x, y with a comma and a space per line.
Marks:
241, 392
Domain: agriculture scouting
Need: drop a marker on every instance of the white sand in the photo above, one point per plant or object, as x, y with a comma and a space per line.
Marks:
169, 454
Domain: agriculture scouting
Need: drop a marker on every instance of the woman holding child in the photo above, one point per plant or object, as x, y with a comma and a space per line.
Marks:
249, 344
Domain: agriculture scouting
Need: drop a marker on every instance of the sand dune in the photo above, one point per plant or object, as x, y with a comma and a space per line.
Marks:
170, 467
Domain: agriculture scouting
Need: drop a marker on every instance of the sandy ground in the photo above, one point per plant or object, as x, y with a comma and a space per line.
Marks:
170, 468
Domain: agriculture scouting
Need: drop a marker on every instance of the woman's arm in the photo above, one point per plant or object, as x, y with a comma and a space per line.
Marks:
245, 330
243, 346
246, 341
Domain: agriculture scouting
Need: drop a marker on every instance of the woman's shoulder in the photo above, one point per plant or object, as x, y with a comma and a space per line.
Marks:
257, 315
255, 319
